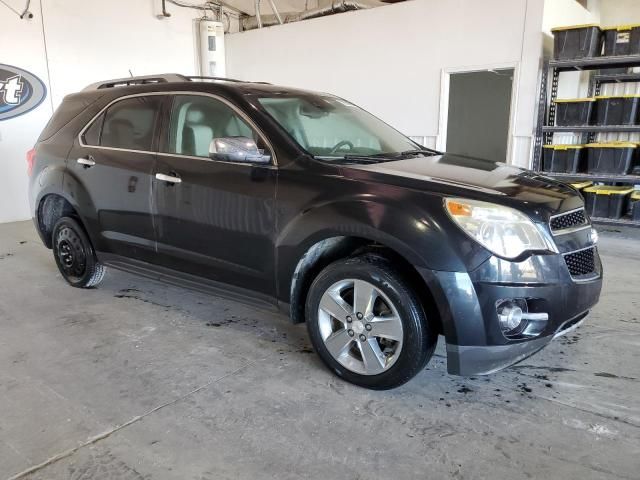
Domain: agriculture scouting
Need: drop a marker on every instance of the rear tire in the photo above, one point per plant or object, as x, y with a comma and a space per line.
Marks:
74, 254
377, 335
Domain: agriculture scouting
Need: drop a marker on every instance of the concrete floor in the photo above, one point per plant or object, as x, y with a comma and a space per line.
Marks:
138, 380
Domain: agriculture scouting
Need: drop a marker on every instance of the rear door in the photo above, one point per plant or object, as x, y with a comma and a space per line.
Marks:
113, 162
214, 218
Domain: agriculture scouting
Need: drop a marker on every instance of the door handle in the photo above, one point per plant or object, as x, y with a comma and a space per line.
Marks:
87, 162
168, 178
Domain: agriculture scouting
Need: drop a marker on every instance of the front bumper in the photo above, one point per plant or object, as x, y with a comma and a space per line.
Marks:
484, 360
467, 306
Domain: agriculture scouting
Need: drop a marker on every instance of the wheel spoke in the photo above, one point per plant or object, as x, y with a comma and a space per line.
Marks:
375, 326
387, 327
364, 296
338, 342
334, 305
372, 356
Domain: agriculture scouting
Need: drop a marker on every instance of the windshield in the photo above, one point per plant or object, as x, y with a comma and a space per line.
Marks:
332, 129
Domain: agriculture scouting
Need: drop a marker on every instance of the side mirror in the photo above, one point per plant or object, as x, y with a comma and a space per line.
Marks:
237, 149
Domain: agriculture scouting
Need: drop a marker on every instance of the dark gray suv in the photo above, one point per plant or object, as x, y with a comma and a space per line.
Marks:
303, 202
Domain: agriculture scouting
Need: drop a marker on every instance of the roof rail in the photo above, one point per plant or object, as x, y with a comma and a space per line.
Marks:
124, 82
162, 78
197, 78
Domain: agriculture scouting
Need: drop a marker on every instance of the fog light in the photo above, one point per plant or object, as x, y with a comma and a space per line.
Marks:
510, 317
517, 322
594, 236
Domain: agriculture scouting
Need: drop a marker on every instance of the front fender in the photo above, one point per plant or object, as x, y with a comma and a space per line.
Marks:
421, 238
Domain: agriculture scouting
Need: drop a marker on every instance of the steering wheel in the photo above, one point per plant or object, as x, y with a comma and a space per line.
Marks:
341, 144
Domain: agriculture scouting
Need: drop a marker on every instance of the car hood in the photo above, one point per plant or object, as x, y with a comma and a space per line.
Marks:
472, 177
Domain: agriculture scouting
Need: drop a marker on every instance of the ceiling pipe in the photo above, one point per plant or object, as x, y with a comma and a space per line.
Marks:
165, 13
258, 17
275, 11
336, 6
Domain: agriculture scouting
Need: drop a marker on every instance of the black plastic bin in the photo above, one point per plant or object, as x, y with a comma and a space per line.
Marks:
563, 158
578, 41
606, 201
622, 40
617, 109
580, 186
573, 111
610, 158
635, 205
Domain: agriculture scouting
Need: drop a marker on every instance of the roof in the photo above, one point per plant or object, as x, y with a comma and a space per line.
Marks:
167, 81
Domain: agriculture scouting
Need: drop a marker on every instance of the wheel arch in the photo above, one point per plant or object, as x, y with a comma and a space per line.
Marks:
66, 195
325, 251
51, 208
53, 205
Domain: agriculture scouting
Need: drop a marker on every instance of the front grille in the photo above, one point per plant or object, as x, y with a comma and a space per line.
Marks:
582, 262
568, 220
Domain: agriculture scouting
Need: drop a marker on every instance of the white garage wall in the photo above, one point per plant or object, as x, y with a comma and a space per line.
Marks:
83, 46
619, 12
97, 40
23, 47
389, 59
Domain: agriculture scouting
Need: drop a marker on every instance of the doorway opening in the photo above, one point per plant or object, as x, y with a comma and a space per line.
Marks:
477, 108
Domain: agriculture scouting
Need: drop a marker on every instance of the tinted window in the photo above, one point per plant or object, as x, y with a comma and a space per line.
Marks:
92, 134
131, 123
196, 120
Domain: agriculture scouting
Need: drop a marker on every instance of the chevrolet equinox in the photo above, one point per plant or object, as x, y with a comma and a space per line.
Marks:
305, 203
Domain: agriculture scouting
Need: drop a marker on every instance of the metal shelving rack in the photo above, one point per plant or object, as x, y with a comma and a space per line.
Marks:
547, 111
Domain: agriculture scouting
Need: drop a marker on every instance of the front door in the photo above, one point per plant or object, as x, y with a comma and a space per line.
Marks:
215, 218
113, 161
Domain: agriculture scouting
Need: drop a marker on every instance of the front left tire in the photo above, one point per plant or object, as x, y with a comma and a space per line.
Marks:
74, 254
367, 324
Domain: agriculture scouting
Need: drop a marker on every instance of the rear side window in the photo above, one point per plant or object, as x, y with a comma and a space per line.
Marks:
129, 124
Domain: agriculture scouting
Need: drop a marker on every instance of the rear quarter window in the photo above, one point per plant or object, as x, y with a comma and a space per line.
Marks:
91, 136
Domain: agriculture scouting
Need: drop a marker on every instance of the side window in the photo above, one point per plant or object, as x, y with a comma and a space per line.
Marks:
196, 120
128, 123
91, 135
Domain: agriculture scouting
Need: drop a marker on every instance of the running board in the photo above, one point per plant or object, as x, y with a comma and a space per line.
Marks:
191, 282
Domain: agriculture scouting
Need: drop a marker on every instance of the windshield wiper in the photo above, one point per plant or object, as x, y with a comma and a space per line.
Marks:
374, 158
386, 157
424, 150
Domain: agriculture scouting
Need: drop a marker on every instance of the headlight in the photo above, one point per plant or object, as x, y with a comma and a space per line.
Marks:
502, 230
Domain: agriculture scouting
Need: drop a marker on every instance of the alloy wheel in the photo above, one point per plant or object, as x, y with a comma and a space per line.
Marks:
360, 326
